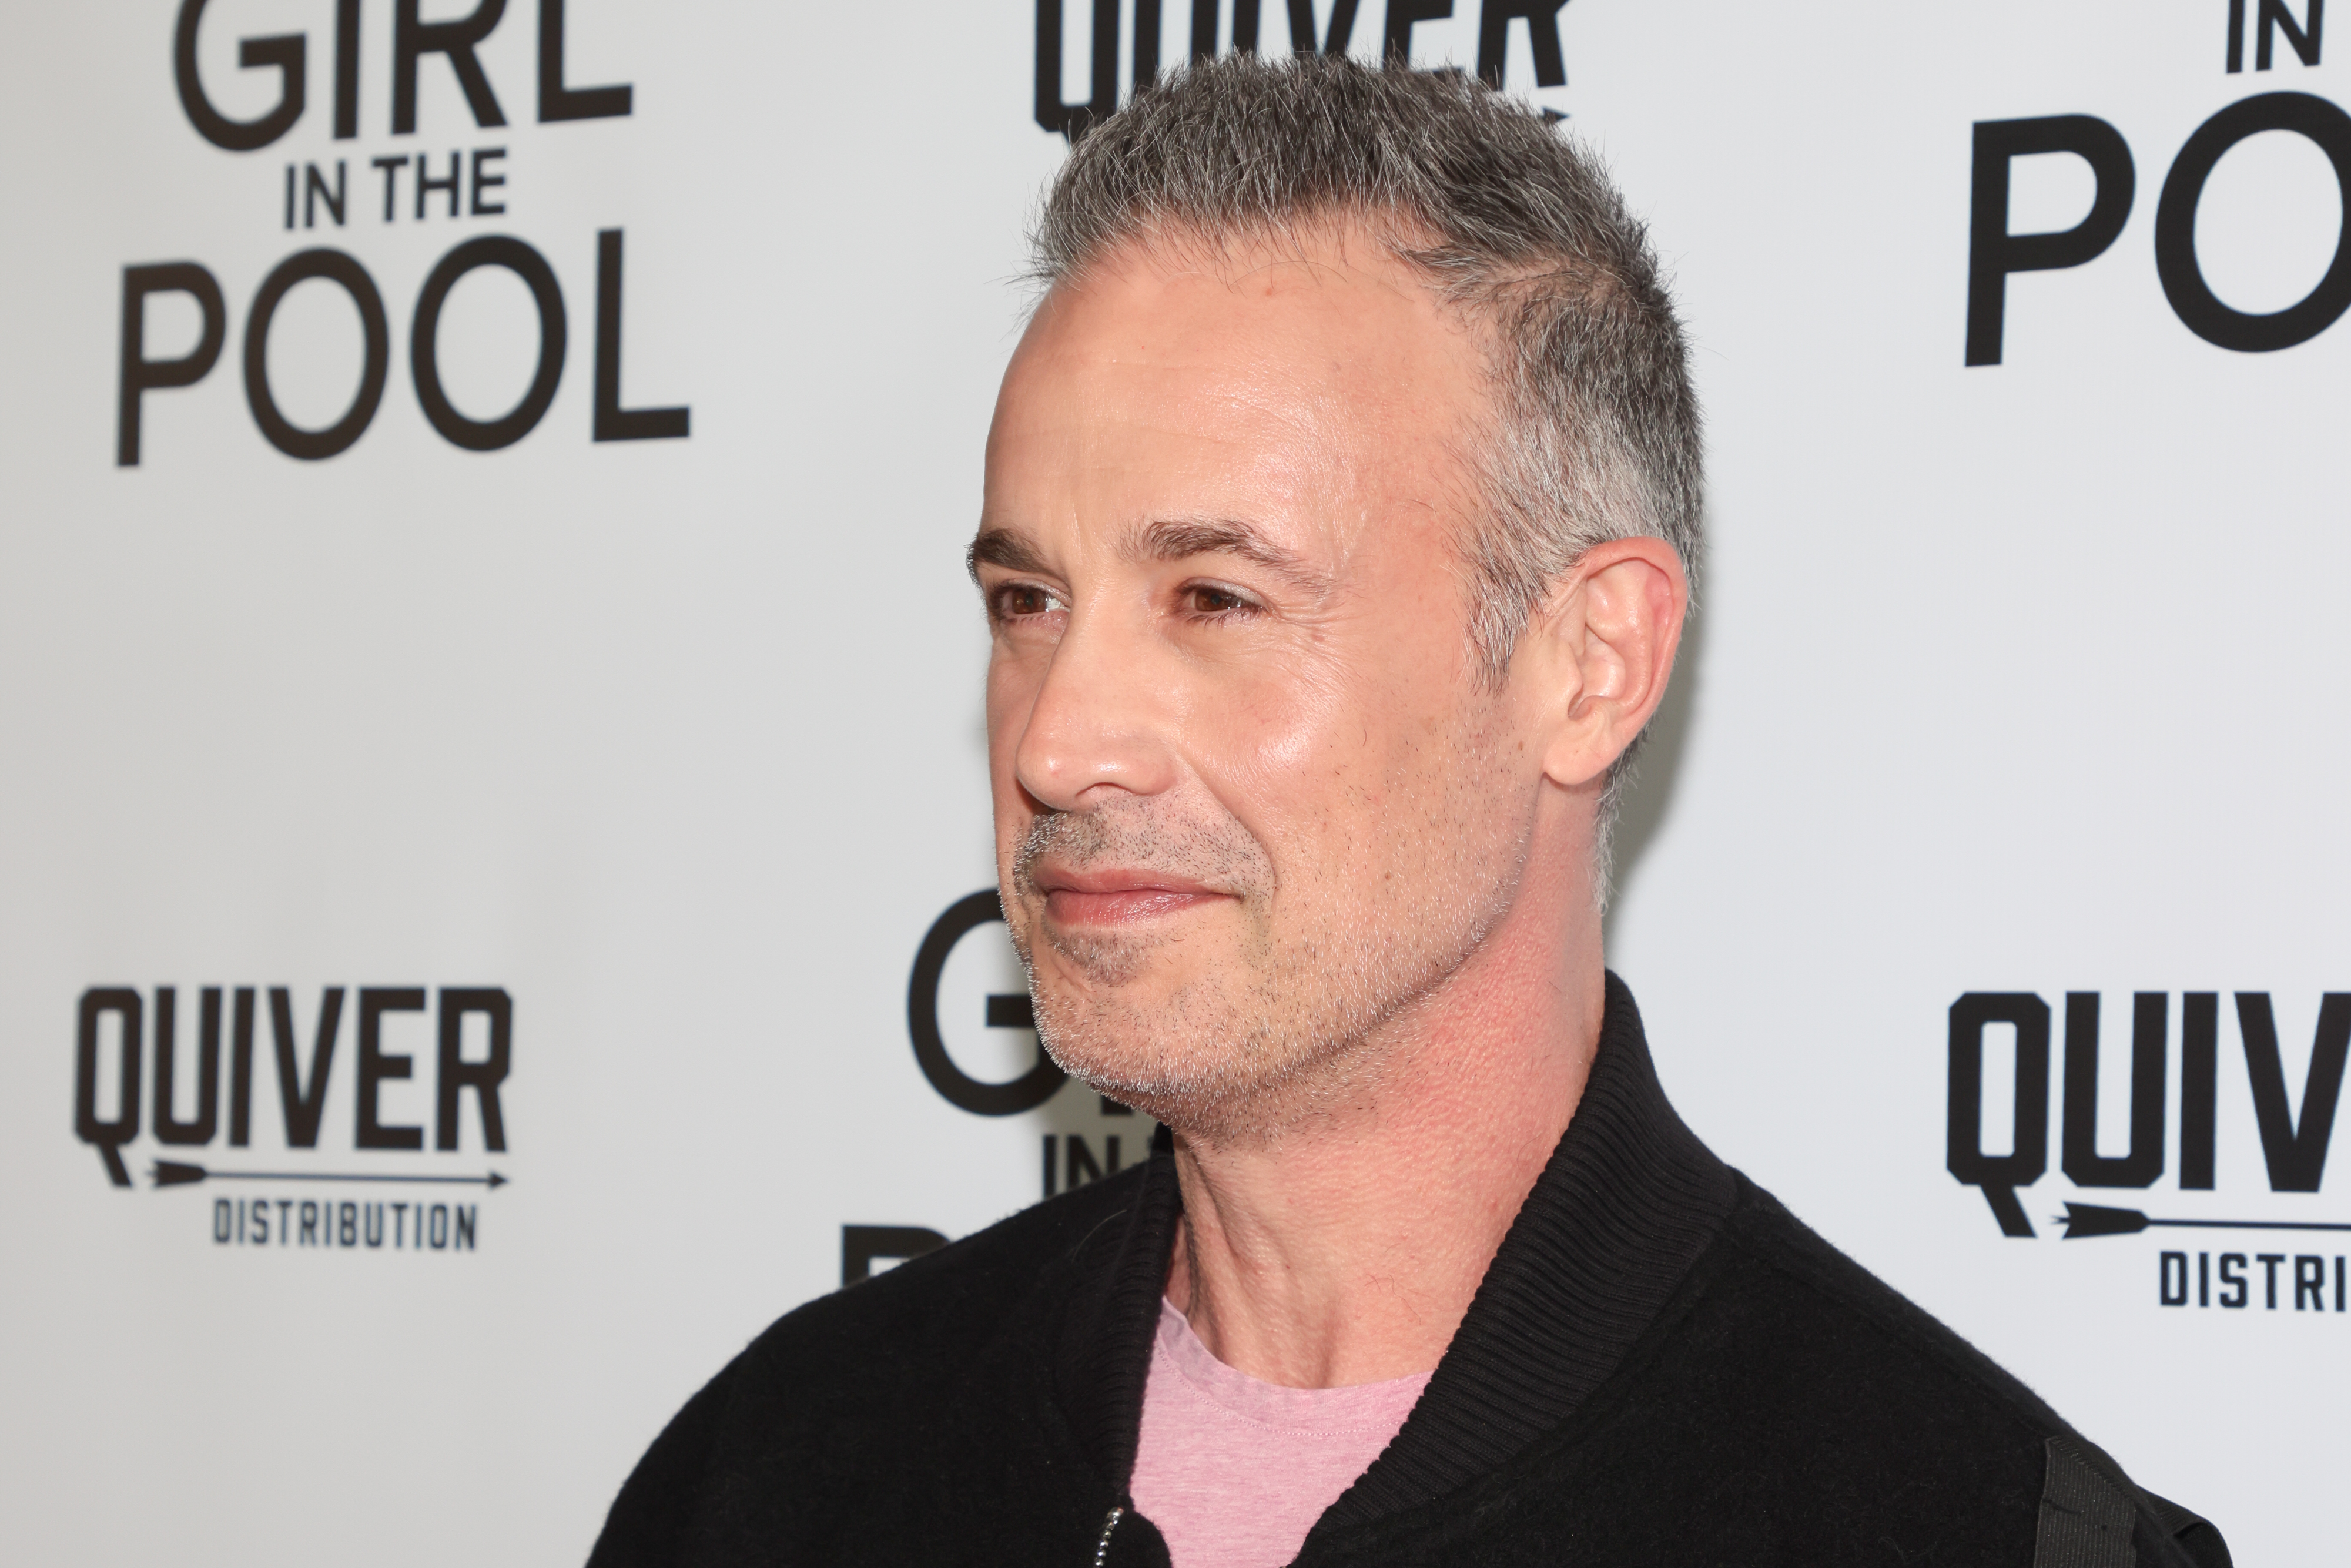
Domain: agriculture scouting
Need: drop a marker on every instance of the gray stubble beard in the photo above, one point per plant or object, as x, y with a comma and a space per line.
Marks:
1305, 1031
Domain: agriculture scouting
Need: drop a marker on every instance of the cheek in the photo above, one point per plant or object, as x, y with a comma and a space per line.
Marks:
1280, 740
1289, 757
1351, 783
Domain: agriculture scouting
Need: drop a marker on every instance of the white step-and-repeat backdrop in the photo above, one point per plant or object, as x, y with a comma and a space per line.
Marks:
493, 831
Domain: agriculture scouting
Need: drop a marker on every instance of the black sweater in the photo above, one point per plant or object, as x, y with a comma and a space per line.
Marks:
1661, 1367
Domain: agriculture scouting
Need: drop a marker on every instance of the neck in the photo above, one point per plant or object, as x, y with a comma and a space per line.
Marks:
1346, 1249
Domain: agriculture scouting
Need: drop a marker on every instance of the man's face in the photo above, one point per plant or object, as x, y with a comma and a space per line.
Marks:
1253, 799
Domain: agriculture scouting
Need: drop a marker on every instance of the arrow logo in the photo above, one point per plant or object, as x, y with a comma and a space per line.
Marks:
172, 1173
2082, 1219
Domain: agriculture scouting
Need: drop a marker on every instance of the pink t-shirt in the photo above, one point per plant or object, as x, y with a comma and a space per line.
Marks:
1235, 1472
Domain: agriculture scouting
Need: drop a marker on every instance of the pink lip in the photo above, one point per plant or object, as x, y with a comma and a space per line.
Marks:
1117, 895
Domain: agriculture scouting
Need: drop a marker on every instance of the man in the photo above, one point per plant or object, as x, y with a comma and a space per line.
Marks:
1341, 510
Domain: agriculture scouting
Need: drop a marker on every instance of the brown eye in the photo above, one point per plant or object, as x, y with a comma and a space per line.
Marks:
1016, 599
1210, 600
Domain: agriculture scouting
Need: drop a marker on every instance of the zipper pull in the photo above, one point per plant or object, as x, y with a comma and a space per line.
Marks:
1101, 1546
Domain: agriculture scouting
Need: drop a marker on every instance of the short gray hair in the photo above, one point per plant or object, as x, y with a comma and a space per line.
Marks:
1505, 218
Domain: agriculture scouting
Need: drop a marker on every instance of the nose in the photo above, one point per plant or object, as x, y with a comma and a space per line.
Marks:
1098, 724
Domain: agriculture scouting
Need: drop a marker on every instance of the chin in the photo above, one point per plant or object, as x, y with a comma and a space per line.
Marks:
1205, 1066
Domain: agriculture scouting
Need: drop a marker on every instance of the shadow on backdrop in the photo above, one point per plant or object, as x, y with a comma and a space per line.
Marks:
1650, 798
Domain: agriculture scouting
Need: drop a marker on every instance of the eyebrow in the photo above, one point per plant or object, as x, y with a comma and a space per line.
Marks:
1163, 539
1177, 538
1001, 547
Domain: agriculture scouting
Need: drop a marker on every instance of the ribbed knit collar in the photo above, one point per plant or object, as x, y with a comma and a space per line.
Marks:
1628, 1200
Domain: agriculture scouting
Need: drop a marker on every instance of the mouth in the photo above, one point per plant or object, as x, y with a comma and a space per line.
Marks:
1118, 895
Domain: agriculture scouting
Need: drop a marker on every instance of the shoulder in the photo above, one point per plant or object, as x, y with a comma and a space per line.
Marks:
847, 1397
1783, 1285
1862, 1415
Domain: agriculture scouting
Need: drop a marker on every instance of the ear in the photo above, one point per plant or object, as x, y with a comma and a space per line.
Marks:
1597, 655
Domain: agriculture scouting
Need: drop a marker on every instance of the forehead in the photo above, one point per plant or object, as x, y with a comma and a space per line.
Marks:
1310, 383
